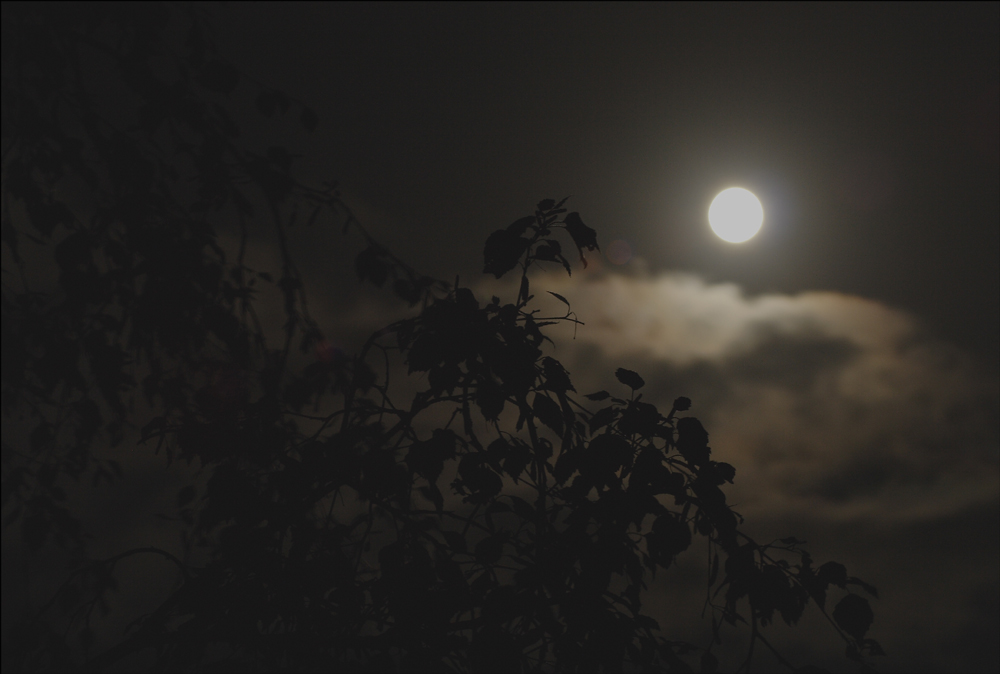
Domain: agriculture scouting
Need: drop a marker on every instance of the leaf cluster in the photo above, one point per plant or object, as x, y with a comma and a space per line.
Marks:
483, 517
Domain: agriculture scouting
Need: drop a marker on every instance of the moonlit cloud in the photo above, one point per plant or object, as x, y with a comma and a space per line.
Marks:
824, 401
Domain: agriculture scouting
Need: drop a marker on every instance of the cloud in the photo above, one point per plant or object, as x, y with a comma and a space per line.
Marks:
824, 401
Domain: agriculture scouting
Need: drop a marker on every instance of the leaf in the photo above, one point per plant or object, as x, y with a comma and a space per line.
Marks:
370, 266
308, 119
489, 550
692, 441
490, 398
455, 540
185, 496
502, 252
522, 509
560, 298
870, 589
548, 251
629, 378
219, 76
546, 204
556, 377
602, 418
583, 236
600, 395
605, 454
519, 226
726, 472
548, 412
832, 573
150, 429
517, 459
874, 647
854, 615
269, 101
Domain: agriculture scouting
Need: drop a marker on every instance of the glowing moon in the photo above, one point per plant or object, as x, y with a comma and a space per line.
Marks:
735, 215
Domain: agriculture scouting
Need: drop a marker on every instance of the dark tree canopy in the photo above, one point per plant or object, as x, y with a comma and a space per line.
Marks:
519, 534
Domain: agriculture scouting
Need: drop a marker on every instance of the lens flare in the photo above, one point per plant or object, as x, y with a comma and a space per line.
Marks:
619, 252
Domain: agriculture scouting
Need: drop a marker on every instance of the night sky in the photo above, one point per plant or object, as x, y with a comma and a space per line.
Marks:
845, 359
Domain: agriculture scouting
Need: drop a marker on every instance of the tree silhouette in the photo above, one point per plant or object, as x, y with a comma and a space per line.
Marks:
517, 534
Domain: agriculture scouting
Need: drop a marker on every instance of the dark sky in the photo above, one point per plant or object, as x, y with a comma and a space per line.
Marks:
869, 132
845, 359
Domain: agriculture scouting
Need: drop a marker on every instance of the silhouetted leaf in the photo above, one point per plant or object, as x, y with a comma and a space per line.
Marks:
490, 398
629, 378
560, 298
489, 550
602, 418
519, 226
692, 441
583, 236
870, 589
548, 413
371, 267
854, 615
269, 102
556, 377
502, 252
312, 522
522, 509
185, 496
516, 460
832, 573
308, 119
873, 647
219, 76
725, 471
456, 541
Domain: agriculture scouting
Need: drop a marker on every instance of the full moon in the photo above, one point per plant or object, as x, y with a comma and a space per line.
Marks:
735, 215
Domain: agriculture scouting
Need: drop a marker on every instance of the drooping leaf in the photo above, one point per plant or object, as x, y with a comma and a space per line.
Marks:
560, 298
583, 236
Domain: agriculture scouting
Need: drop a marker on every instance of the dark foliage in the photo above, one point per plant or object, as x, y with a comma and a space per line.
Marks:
517, 536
